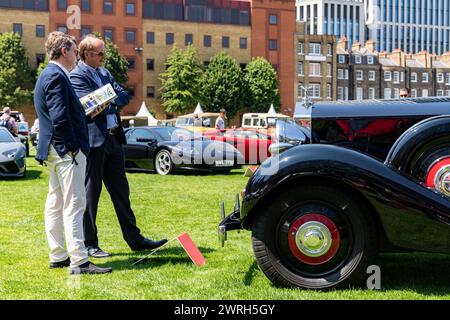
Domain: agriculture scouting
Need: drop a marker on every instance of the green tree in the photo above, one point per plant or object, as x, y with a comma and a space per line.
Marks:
181, 83
261, 86
116, 63
16, 77
222, 84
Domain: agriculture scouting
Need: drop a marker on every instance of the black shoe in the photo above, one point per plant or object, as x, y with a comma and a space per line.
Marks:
61, 264
96, 252
89, 268
148, 244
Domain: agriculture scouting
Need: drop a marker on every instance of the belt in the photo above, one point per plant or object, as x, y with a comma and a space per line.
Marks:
112, 131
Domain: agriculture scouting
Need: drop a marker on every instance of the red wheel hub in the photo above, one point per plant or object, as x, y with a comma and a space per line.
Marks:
313, 239
438, 176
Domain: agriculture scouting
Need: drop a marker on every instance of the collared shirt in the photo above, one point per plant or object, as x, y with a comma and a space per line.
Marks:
111, 119
62, 68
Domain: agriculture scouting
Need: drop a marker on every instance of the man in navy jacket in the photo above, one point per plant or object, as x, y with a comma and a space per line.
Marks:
63, 145
106, 161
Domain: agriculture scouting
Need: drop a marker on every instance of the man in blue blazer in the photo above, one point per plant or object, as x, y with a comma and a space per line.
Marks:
106, 160
63, 145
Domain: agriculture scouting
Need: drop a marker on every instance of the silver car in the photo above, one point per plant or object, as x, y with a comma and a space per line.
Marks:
12, 155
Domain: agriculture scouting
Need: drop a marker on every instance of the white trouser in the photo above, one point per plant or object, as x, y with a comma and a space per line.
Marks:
64, 208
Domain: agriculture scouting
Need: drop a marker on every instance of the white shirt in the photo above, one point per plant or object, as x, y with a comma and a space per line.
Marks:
62, 68
220, 124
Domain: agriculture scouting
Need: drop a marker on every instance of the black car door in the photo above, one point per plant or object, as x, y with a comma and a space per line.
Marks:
139, 150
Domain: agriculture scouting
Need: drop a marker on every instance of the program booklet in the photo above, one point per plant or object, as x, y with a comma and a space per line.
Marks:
97, 98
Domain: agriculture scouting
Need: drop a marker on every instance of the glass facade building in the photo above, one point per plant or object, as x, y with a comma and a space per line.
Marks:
410, 25
333, 17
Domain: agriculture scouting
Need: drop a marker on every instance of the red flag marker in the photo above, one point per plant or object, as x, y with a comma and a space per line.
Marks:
191, 249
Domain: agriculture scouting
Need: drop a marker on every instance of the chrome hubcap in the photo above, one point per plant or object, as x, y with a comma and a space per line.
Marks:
313, 239
442, 181
164, 163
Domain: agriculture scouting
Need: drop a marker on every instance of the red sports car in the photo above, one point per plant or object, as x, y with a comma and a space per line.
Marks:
253, 144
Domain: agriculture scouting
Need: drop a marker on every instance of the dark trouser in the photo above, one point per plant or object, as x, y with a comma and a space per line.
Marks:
107, 164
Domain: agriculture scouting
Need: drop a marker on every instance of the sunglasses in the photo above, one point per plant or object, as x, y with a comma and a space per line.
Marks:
100, 54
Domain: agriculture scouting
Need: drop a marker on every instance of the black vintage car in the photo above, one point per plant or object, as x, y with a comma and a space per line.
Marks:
169, 149
365, 177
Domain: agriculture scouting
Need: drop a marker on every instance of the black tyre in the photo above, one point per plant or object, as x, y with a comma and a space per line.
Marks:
314, 237
163, 162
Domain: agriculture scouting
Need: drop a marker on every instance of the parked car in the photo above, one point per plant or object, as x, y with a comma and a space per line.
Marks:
12, 155
366, 177
252, 144
23, 129
169, 149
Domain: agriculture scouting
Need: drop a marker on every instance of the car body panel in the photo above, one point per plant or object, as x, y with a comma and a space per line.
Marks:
12, 155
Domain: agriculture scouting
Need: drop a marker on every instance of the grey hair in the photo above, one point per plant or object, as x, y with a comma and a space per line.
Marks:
87, 44
56, 41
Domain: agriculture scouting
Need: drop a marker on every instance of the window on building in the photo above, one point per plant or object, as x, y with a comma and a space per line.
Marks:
314, 49
170, 38
425, 77
108, 7
130, 8
40, 58
329, 91
150, 37
273, 19
340, 74
413, 93
85, 31
447, 93
413, 76
372, 75
359, 93
273, 44
371, 93
358, 59
370, 60
300, 48
150, 64
425, 93
300, 69
447, 79
314, 90
346, 74
17, 28
396, 77
341, 59
108, 33
40, 31
62, 5
130, 36
62, 29
131, 91
150, 92
329, 70
359, 75
207, 41
188, 39
340, 93
243, 43
314, 69
330, 49
86, 5
225, 42
396, 93
387, 76
440, 77
387, 93
440, 93
131, 63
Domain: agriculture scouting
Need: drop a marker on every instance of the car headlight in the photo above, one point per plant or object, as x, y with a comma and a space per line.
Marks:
11, 154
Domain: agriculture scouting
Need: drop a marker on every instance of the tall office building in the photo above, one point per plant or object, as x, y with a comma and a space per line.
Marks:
410, 25
334, 17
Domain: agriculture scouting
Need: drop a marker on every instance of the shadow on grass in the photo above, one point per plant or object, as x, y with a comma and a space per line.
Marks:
189, 173
29, 175
424, 273
164, 256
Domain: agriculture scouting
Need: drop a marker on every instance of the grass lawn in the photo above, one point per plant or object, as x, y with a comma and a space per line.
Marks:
165, 207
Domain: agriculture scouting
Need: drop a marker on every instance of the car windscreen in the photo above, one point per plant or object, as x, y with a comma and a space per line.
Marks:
5, 136
173, 134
